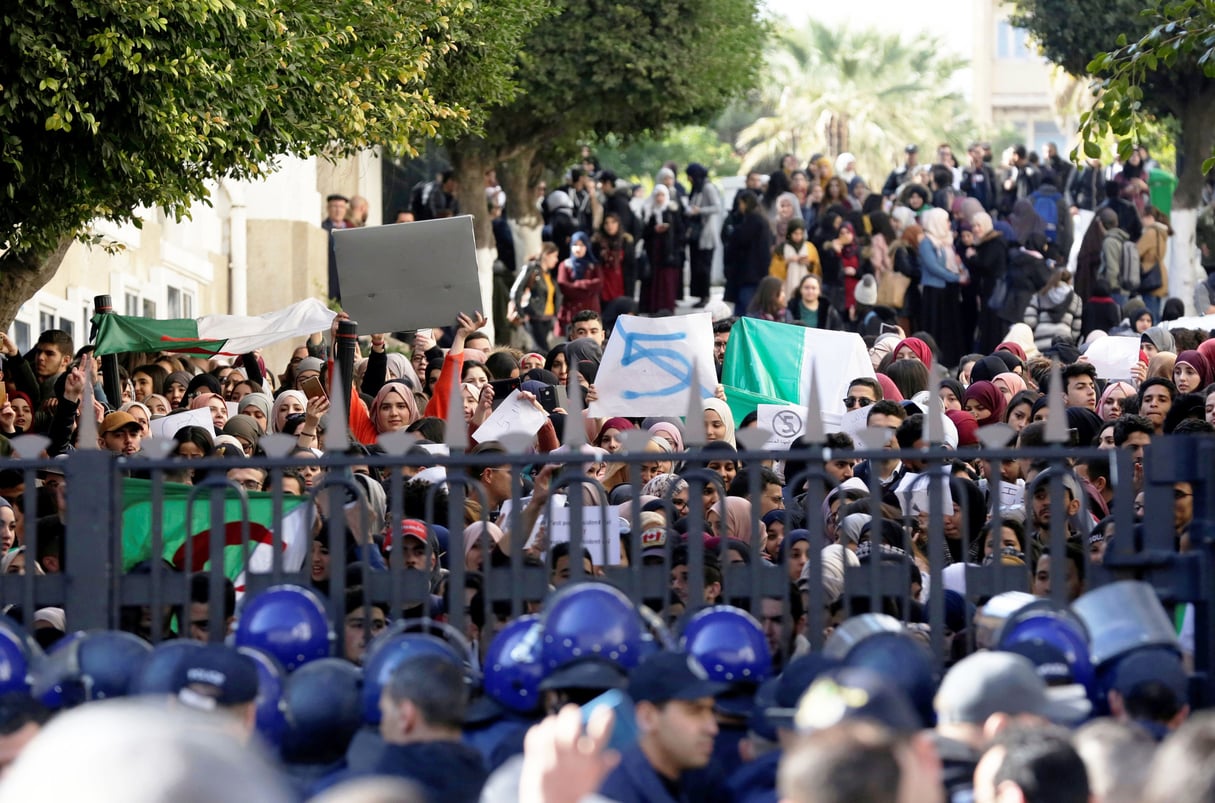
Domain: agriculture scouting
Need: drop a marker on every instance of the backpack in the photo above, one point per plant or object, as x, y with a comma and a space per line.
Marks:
1128, 267
1047, 208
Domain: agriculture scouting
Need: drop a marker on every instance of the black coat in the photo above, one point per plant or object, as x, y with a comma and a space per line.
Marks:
749, 252
989, 263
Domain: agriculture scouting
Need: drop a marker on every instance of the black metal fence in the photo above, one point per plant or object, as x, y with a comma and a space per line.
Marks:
152, 597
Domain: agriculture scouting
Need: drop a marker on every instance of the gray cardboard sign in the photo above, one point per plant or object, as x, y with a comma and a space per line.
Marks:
408, 275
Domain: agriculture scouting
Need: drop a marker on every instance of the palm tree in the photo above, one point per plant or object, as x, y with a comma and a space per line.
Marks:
834, 90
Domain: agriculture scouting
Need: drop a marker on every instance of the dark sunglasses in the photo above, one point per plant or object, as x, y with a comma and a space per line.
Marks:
855, 401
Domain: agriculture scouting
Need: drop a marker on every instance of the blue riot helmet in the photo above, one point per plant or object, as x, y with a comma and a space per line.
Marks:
903, 660
732, 648
289, 622
729, 643
440, 630
390, 653
19, 652
1124, 616
590, 620
269, 703
323, 707
157, 673
97, 665
512, 667
1056, 641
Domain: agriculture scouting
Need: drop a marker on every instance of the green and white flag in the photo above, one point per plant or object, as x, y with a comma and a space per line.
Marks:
211, 334
180, 517
770, 363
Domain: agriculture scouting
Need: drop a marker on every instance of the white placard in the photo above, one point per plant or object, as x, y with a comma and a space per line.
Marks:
1080, 223
514, 414
594, 531
232, 409
786, 422
1113, 357
168, 426
650, 365
1012, 496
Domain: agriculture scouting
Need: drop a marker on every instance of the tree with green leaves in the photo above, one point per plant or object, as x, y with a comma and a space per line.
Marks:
832, 89
624, 67
109, 106
1157, 62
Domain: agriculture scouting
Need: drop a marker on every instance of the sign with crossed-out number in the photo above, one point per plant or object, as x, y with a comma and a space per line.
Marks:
650, 365
786, 422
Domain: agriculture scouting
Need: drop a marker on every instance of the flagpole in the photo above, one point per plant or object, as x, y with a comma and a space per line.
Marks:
102, 305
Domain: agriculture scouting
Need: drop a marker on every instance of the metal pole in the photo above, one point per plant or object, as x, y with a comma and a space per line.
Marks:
102, 305
344, 348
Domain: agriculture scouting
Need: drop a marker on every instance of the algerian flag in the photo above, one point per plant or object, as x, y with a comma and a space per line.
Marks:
770, 363
137, 513
211, 334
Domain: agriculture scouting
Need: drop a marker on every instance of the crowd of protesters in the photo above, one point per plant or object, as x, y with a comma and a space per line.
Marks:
954, 276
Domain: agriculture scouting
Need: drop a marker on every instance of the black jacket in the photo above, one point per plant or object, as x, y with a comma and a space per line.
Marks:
749, 252
828, 318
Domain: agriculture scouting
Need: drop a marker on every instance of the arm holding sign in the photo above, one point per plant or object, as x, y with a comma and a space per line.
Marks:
453, 364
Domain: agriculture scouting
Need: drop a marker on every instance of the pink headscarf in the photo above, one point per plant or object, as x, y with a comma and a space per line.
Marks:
472, 534
670, 429
890, 391
1127, 390
737, 518
401, 389
1013, 382
204, 399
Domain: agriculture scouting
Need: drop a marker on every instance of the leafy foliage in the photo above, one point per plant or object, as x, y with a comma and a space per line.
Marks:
638, 160
834, 89
1182, 38
626, 68
107, 106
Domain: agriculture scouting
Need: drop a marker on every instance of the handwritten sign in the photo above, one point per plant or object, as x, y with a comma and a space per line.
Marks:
168, 426
786, 422
599, 535
650, 365
1113, 357
514, 414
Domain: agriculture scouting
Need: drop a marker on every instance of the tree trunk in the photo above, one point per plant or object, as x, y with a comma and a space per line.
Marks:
470, 162
519, 180
1197, 141
22, 276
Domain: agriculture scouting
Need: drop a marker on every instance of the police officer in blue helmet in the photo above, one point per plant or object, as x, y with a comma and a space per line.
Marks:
673, 705
733, 649
511, 700
421, 712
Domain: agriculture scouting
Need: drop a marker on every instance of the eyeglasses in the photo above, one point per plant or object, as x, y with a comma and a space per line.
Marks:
856, 401
1180, 494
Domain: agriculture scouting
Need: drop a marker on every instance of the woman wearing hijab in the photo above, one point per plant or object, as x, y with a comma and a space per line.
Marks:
984, 401
1026, 222
731, 518
704, 221
940, 272
664, 247
616, 252
289, 402
1191, 372
748, 253
1010, 384
257, 406
580, 280
987, 260
718, 422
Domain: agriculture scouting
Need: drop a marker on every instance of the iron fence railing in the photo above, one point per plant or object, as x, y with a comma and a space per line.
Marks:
97, 524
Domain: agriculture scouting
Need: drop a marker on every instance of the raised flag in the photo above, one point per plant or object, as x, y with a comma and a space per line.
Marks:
180, 518
211, 334
770, 363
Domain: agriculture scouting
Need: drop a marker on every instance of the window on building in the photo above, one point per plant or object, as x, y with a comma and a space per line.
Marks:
69, 326
46, 320
21, 335
173, 300
149, 308
1012, 43
131, 304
